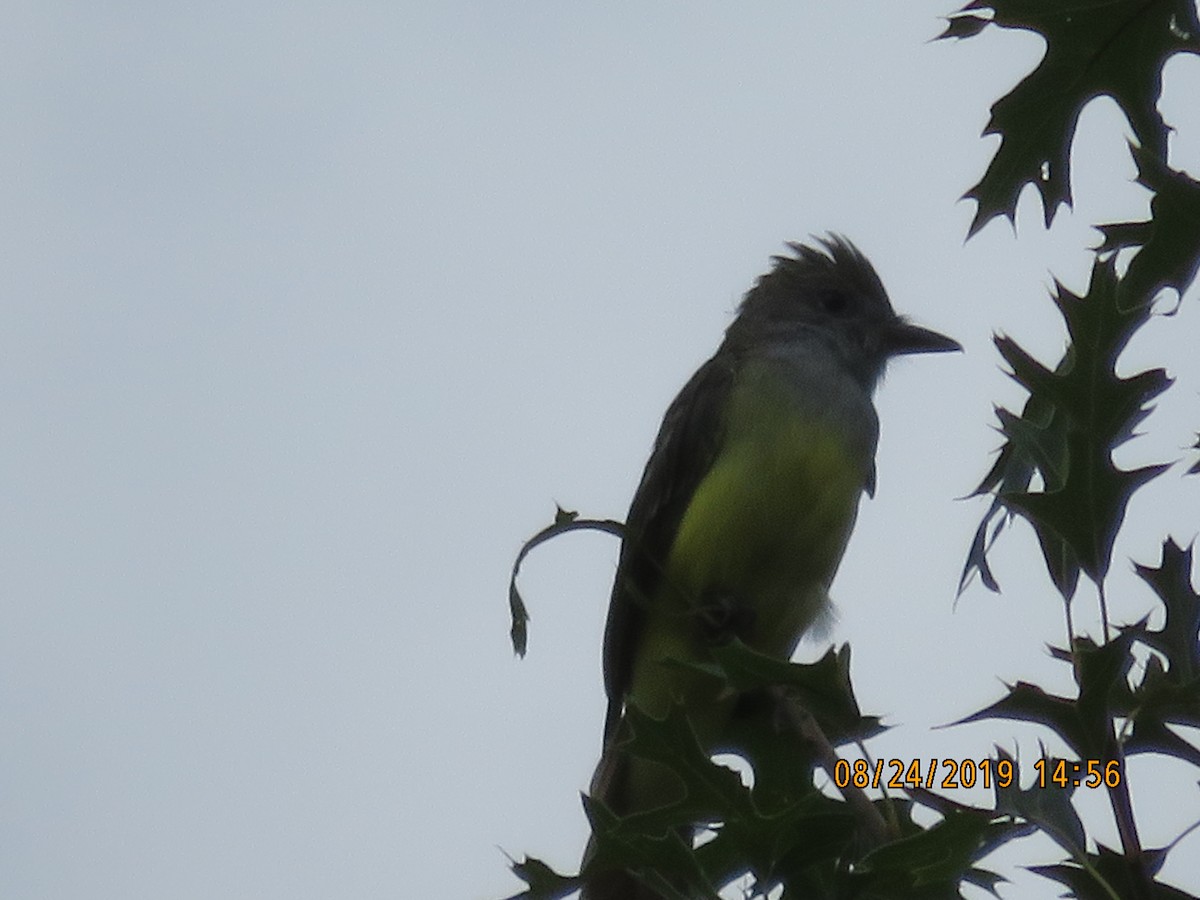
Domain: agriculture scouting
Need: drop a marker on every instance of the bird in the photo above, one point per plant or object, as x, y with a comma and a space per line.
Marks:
746, 504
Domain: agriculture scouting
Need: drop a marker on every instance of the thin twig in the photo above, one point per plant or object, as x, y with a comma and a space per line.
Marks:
802, 722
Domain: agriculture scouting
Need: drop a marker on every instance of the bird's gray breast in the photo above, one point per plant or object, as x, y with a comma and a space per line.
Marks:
811, 377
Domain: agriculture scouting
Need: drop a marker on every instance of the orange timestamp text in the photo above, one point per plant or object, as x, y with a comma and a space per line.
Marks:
949, 774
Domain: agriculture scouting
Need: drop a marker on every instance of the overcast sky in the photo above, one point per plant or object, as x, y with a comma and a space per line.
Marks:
310, 314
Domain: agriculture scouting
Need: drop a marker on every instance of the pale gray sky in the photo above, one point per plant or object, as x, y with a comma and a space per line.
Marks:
309, 314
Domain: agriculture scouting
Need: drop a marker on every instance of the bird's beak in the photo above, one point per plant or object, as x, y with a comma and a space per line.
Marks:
905, 337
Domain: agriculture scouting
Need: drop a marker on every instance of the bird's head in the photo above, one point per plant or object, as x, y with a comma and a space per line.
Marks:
835, 294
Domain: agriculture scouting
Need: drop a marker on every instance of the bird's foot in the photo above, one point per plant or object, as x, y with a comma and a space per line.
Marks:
721, 617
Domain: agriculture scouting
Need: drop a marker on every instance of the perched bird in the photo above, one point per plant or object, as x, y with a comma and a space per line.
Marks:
746, 503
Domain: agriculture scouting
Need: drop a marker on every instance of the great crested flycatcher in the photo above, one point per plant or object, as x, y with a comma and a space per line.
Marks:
747, 502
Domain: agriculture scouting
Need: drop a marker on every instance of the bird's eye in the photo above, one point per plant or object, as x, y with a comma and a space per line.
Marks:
836, 303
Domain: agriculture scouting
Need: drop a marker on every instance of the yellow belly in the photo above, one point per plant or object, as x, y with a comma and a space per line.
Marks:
765, 529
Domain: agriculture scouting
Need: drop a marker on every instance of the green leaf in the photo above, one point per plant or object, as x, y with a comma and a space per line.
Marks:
1039, 445
1075, 416
938, 855
981, 543
662, 858
1094, 48
1179, 638
1102, 672
795, 837
713, 791
1108, 874
1033, 436
1027, 702
544, 883
823, 688
1169, 690
817, 830
1084, 722
1048, 807
1170, 241
1101, 410
963, 26
1150, 733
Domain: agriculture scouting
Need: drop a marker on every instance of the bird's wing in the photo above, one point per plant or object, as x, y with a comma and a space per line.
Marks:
684, 451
